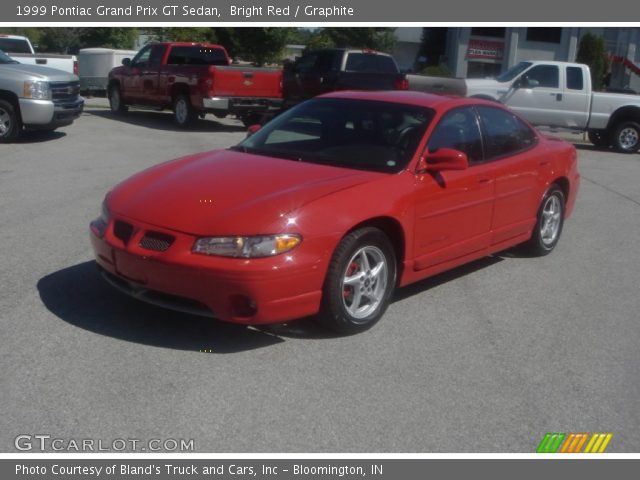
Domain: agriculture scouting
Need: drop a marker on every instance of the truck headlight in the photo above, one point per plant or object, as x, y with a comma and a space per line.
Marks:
37, 90
247, 247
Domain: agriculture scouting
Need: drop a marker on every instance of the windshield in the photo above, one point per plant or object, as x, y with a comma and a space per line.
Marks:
360, 134
4, 58
513, 72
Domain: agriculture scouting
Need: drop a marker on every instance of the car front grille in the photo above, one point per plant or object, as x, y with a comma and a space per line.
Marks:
65, 92
123, 231
157, 241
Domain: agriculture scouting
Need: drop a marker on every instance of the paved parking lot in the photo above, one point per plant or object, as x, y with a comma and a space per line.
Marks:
485, 358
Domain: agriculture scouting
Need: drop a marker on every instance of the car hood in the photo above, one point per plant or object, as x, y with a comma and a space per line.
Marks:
227, 192
41, 73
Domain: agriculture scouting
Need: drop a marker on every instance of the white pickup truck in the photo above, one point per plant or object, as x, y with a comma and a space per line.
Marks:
20, 49
559, 95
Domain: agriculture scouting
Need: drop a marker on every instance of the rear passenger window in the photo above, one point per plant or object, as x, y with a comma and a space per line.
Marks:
459, 130
574, 78
505, 134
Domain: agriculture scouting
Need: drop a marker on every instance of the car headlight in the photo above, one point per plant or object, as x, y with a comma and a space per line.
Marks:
247, 247
37, 90
99, 225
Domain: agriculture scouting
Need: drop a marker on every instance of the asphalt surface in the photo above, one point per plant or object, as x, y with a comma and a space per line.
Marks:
486, 358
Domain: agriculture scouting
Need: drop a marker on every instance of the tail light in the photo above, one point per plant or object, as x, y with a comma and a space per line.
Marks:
209, 84
401, 84
75, 67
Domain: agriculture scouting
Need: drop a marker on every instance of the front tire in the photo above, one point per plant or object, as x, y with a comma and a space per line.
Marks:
9, 122
115, 100
546, 233
360, 281
183, 112
626, 137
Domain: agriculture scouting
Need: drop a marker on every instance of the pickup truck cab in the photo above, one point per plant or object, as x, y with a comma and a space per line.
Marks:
35, 98
560, 95
193, 79
333, 69
20, 49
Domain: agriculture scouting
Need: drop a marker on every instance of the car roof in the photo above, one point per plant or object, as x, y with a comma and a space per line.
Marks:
411, 97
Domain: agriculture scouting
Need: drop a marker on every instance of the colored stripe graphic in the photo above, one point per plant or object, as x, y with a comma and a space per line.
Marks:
598, 443
573, 442
550, 442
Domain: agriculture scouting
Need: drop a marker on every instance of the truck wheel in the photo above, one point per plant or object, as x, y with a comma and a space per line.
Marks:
183, 112
115, 100
626, 137
9, 122
599, 138
360, 280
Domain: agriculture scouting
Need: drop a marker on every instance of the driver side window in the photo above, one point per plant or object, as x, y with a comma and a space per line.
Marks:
458, 130
546, 75
142, 58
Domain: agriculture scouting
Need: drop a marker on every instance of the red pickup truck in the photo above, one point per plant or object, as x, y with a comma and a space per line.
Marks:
194, 79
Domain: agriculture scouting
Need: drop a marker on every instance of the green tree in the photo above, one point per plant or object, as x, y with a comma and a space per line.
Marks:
376, 38
61, 40
592, 52
107, 37
262, 45
184, 34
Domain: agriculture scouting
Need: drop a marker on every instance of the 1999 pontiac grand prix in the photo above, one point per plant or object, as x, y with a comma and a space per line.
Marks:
332, 205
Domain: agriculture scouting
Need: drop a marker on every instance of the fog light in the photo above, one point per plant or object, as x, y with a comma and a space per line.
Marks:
243, 306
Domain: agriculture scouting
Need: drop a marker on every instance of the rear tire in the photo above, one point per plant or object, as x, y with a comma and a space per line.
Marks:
183, 112
359, 283
626, 137
546, 233
9, 122
115, 100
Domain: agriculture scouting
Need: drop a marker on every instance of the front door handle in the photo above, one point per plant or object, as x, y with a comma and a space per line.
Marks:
484, 180
558, 96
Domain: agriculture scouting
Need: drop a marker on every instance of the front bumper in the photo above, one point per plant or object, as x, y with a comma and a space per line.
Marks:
46, 114
241, 104
249, 291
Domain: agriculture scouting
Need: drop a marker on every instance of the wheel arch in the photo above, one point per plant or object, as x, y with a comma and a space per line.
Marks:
12, 98
179, 88
565, 186
394, 231
629, 113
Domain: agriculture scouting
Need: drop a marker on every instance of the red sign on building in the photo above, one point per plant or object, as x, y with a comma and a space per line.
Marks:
485, 49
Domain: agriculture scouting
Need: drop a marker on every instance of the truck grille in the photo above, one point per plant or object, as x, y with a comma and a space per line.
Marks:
65, 92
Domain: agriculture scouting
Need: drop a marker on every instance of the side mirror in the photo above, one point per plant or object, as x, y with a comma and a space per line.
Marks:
445, 159
253, 129
126, 62
533, 83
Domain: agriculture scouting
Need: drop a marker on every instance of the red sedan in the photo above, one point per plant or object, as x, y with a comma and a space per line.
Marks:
332, 205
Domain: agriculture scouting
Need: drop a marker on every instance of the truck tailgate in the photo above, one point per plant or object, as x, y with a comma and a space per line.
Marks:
235, 81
